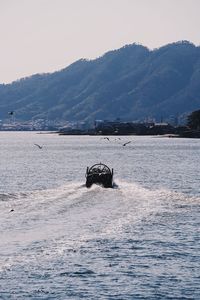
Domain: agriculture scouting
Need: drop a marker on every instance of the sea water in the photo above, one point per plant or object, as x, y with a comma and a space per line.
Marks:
60, 240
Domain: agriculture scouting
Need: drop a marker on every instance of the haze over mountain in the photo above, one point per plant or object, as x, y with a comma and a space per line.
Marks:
130, 83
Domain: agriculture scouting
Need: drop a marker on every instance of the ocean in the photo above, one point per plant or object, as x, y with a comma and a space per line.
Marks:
60, 240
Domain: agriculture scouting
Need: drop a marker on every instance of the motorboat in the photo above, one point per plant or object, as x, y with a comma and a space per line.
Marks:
99, 174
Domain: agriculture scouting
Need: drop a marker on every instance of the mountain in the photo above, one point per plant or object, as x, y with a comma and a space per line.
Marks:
130, 83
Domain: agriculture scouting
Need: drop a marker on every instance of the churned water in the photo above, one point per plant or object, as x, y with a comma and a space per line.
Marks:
60, 240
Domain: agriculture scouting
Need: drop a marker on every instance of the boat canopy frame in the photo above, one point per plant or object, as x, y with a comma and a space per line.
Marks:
99, 168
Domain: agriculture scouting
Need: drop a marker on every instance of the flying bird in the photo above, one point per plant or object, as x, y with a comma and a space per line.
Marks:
40, 147
106, 138
11, 113
126, 143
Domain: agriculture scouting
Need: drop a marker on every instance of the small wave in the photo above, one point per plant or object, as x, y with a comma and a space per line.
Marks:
8, 196
83, 272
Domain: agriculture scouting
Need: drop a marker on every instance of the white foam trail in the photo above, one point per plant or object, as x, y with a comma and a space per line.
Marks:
72, 214
137, 203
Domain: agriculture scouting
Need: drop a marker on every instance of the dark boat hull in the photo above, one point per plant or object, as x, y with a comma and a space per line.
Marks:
104, 180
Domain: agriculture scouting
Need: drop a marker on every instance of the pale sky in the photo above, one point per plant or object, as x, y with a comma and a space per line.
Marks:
41, 36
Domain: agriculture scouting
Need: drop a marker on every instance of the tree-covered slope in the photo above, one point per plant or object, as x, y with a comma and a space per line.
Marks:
131, 83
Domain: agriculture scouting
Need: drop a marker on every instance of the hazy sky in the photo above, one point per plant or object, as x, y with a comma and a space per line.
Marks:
39, 36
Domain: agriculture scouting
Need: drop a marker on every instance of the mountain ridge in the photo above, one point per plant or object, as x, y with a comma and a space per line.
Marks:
130, 83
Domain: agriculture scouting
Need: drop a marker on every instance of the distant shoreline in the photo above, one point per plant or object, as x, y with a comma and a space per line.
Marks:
186, 134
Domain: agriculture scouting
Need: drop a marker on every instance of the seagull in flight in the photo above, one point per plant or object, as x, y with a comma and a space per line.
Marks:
11, 113
40, 147
106, 138
126, 143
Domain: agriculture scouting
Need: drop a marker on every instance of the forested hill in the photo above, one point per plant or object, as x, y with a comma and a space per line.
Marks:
131, 83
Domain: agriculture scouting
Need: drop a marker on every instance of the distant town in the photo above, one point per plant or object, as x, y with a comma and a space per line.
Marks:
14, 124
100, 127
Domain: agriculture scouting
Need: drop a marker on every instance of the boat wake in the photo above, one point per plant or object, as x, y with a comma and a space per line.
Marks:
70, 195
71, 216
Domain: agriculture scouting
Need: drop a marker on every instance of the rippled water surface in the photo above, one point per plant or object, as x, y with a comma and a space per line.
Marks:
60, 240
